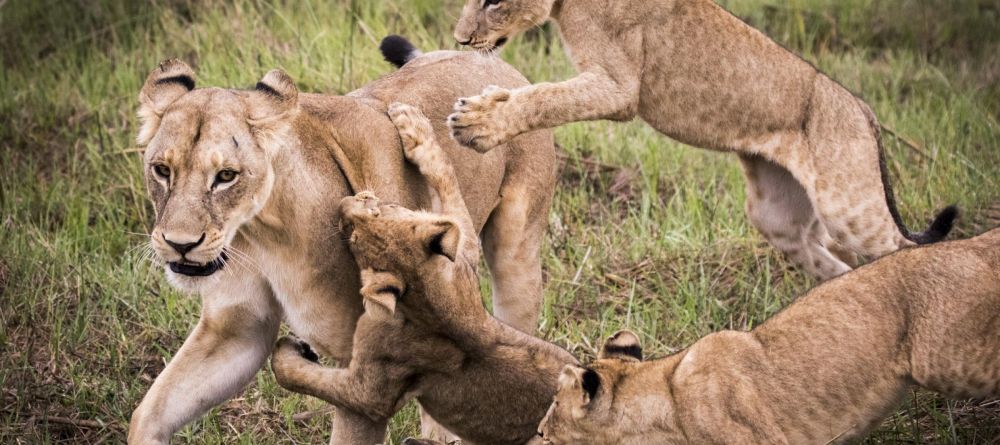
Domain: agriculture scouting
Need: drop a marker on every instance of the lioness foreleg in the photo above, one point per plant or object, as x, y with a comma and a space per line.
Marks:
222, 354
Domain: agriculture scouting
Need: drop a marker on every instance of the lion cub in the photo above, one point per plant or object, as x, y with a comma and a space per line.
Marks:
817, 186
425, 332
827, 369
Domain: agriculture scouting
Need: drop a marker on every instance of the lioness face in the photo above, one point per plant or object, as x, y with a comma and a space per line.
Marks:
487, 24
207, 171
206, 177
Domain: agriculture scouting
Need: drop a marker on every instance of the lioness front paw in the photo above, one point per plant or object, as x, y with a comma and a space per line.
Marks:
481, 122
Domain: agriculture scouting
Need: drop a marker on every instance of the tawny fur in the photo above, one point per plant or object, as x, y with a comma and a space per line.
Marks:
425, 333
296, 156
816, 188
827, 369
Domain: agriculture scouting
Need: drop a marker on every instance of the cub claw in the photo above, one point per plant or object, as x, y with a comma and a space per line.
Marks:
478, 122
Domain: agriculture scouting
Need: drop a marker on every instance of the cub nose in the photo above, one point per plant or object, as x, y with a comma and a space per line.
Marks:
183, 248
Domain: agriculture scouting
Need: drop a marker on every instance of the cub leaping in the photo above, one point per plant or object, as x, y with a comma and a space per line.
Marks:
817, 186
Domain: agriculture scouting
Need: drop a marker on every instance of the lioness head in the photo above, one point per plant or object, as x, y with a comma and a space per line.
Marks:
207, 163
488, 24
586, 409
394, 246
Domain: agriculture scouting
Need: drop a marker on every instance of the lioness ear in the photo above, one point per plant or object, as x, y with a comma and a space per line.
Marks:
380, 288
274, 96
581, 384
164, 85
443, 238
623, 345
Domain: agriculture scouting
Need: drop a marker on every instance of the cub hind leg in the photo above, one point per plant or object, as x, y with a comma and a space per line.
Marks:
780, 208
847, 179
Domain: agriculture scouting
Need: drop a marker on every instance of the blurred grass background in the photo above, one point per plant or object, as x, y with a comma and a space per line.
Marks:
646, 233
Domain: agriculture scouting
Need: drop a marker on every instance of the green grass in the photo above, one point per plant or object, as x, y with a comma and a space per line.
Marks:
645, 233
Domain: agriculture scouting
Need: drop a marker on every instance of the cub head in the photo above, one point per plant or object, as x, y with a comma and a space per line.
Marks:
394, 245
588, 406
487, 24
207, 163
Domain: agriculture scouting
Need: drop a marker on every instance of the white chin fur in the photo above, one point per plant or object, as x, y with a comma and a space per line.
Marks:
186, 283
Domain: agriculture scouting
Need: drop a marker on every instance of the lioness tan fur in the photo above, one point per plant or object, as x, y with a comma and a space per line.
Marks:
827, 369
817, 186
246, 186
425, 332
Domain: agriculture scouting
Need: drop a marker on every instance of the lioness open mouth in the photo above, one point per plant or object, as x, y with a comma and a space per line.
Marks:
199, 270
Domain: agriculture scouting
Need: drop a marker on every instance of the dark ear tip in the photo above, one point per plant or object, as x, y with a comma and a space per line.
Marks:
277, 83
171, 71
623, 344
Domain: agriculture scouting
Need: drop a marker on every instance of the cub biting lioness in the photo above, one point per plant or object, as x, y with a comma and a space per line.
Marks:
425, 332
826, 369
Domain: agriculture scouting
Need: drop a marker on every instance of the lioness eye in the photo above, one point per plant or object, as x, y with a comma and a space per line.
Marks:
225, 176
162, 171
491, 2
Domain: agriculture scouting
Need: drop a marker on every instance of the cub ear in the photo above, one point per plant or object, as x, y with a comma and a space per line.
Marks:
382, 289
164, 85
581, 384
443, 238
273, 97
623, 345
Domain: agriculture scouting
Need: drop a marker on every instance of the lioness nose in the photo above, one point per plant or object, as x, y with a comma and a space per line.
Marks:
183, 248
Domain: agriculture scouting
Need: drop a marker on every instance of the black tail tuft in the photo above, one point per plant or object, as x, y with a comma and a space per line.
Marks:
397, 50
939, 228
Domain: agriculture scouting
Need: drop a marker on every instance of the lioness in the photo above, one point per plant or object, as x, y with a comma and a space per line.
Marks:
246, 185
425, 332
827, 369
817, 185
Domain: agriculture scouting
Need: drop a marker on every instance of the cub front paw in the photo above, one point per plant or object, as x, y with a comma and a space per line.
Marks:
481, 122
289, 352
414, 128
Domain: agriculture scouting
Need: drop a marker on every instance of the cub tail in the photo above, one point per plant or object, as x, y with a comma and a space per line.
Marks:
945, 218
397, 50
938, 229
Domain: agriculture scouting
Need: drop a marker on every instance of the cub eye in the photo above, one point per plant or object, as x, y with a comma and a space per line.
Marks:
225, 176
491, 2
162, 171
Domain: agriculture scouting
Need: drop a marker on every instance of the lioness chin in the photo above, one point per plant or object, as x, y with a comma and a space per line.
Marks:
817, 185
826, 369
425, 333
245, 186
